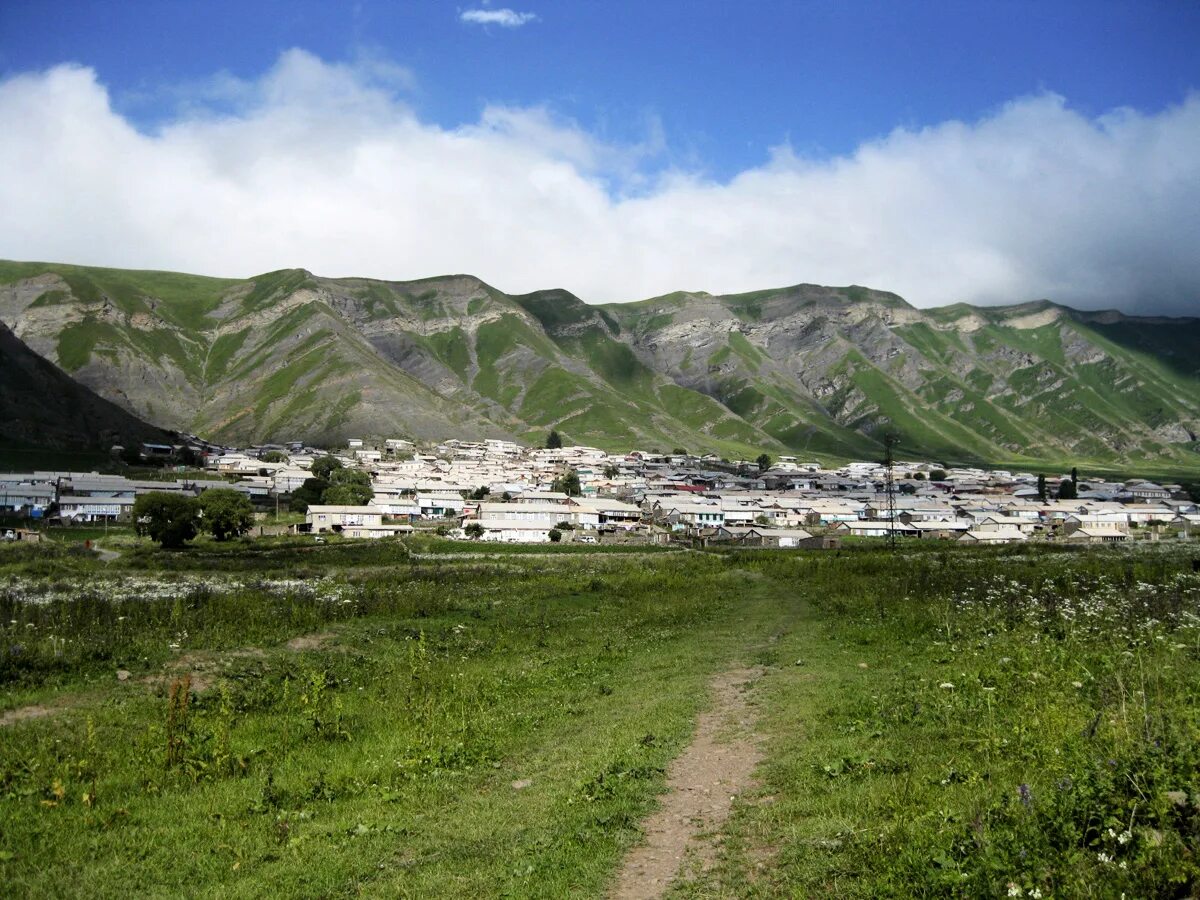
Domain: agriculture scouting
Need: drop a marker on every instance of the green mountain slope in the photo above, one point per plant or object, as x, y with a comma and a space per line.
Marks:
816, 371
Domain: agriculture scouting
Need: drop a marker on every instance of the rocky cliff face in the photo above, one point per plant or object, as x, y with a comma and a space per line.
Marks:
804, 369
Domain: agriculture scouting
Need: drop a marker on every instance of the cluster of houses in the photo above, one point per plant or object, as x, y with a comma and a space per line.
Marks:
497, 490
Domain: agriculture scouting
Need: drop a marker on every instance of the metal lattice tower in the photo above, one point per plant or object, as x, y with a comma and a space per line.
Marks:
889, 463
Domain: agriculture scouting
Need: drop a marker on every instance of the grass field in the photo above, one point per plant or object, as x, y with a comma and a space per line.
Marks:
330, 720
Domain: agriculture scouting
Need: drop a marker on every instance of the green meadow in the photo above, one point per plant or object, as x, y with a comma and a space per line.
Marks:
276, 718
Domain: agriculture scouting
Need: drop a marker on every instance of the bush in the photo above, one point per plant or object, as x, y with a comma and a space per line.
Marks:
555, 535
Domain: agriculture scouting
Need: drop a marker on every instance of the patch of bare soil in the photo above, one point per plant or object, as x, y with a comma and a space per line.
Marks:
702, 783
310, 641
21, 714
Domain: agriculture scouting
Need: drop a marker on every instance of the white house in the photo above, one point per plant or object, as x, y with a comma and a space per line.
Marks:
511, 532
776, 537
95, 509
696, 515
995, 536
338, 518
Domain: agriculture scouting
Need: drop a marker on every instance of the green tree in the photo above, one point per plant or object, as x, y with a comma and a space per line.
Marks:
226, 513
1041, 488
555, 535
168, 517
348, 487
554, 441
474, 531
310, 492
937, 475
611, 471
1067, 490
679, 451
568, 484
918, 476
764, 461
347, 495
479, 493
323, 466
274, 456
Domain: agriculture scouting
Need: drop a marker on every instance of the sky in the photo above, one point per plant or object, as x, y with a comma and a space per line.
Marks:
983, 152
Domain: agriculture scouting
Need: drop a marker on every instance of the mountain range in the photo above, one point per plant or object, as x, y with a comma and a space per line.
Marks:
820, 372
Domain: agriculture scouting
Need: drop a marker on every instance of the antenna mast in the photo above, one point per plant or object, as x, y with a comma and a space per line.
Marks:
889, 462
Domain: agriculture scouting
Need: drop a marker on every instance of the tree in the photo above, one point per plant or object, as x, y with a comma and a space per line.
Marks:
611, 471
348, 487
1074, 476
1041, 488
937, 475
474, 531
568, 484
1067, 490
764, 461
274, 456
310, 492
565, 526
679, 451
479, 493
167, 517
347, 495
553, 442
226, 513
555, 535
323, 466
918, 476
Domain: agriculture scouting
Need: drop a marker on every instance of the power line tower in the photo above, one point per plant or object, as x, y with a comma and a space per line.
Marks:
889, 463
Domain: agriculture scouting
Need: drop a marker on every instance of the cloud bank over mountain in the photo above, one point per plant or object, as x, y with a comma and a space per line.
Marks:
328, 166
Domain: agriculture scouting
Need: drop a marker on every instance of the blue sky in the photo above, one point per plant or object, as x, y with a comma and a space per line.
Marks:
673, 112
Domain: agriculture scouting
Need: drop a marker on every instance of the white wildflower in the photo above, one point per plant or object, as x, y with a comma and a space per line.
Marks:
946, 686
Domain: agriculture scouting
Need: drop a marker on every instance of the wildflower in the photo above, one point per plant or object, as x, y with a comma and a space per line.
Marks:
1014, 889
1124, 837
946, 686
1077, 684
1104, 857
1122, 865
1036, 893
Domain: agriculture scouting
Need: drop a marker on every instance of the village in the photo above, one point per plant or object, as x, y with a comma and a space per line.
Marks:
500, 491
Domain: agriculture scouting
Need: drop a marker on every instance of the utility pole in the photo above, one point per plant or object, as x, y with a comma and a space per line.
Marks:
889, 462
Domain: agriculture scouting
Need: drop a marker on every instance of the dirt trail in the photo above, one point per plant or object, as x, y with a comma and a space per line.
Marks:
701, 784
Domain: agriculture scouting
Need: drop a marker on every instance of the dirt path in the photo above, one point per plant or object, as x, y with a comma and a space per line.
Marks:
701, 785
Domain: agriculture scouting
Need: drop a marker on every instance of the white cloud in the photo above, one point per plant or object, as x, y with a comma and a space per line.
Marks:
505, 18
326, 167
